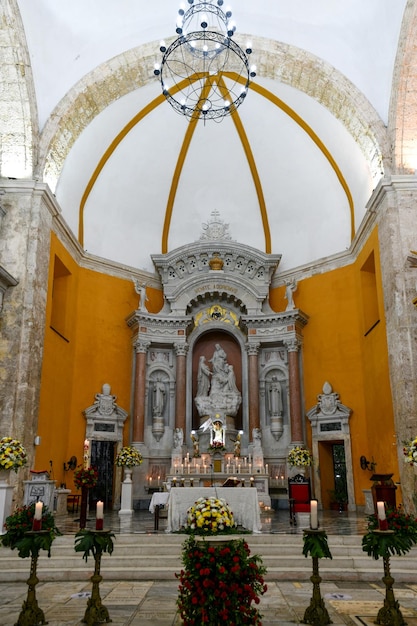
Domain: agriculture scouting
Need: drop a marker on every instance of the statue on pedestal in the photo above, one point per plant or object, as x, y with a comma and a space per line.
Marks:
216, 387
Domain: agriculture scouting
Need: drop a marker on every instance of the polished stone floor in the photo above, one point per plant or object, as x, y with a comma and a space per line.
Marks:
272, 522
153, 603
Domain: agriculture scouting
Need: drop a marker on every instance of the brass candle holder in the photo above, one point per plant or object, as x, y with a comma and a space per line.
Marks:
316, 544
31, 614
390, 613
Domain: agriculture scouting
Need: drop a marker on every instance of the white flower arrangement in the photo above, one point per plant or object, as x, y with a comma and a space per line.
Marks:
128, 457
300, 457
410, 451
13, 455
210, 516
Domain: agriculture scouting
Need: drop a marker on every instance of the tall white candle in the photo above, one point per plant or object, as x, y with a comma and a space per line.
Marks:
314, 522
381, 510
99, 516
99, 510
38, 510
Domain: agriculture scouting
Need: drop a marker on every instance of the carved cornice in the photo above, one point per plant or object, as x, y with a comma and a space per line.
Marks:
285, 319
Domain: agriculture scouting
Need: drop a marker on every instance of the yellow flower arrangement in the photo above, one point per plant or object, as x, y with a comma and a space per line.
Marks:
209, 516
128, 457
300, 457
13, 455
410, 451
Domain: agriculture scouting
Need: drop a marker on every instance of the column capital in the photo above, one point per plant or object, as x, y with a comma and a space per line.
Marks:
181, 349
293, 345
142, 346
253, 348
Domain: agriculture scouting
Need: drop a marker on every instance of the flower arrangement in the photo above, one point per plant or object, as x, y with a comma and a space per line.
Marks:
410, 451
300, 457
398, 542
17, 535
209, 516
85, 477
128, 457
220, 584
216, 445
12, 454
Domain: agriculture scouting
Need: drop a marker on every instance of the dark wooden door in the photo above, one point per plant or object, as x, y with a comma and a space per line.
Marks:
102, 457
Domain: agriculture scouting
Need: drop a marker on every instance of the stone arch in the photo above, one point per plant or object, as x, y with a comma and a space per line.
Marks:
18, 115
288, 64
215, 332
403, 107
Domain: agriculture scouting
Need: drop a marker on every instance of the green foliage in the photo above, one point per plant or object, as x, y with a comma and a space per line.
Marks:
315, 545
399, 542
220, 584
91, 542
19, 533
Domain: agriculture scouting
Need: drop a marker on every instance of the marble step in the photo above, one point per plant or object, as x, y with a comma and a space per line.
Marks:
158, 557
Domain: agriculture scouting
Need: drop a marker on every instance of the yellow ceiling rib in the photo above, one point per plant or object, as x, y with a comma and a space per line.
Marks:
186, 143
252, 166
178, 169
310, 132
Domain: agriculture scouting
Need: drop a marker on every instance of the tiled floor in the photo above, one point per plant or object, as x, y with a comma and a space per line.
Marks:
153, 603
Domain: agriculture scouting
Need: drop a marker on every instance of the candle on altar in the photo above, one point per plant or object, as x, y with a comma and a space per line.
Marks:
238, 468
159, 480
250, 468
99, 515
252, 481
314, 522
150, 481
266, 469
37, 518
382, 519
86, 453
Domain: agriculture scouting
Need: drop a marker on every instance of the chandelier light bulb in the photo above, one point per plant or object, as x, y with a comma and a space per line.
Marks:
162, 46
204, 21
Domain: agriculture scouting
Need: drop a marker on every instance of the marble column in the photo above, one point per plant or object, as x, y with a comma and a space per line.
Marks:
253, 379
140, 391
180, 400
295, 393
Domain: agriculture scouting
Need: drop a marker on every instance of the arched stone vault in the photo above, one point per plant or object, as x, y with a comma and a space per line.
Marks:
134, 68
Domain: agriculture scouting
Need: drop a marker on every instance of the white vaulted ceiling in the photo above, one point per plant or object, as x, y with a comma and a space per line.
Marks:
292, 177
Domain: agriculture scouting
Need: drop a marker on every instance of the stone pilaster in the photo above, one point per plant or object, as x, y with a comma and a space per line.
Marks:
395, 201
180, 401
140, 391
253, 380
297, 436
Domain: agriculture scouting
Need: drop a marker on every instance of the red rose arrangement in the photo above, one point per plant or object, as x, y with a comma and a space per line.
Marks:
220, 584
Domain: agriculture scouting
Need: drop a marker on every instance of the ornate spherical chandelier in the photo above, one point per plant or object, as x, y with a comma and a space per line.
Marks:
204, 74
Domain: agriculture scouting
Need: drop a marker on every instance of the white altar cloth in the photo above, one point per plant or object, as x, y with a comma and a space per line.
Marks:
159, 498
243, 501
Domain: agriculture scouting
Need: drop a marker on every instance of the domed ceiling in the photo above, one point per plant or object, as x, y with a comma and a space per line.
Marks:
290, 172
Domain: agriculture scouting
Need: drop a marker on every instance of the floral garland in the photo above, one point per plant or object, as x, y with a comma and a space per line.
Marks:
85, 477
216, 445
410, 451
20, 522
397, 543
209, 516
12, 454
128, 457
300, 457
220, 584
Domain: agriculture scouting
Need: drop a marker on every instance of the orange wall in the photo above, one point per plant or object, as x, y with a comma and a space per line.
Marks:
336, 350
99, 351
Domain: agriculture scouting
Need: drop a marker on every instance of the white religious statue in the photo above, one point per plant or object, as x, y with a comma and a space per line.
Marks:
217, 432
158, 397
216, 387
274, 397
178, 439
140, 289
290, 287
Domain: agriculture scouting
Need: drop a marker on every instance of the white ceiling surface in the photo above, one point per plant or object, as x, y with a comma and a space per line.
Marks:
307, 208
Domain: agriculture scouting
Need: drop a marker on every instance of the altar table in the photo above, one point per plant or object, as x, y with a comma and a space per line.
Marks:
243, 501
